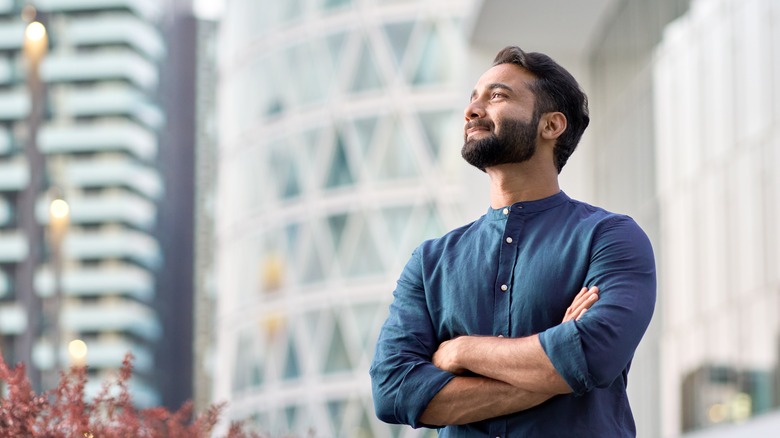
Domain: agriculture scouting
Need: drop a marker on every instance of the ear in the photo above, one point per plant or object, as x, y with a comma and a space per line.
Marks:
553, 125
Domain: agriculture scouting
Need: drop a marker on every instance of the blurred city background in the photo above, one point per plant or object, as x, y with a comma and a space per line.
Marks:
229, 189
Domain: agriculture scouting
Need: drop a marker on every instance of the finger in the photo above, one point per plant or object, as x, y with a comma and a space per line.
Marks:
581, 297
586, 302
580, 315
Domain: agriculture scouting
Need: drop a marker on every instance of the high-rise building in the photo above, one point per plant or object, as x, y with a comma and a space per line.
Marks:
89, 126
338, 154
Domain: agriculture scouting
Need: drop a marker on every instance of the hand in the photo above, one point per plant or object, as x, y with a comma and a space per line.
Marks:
446, 356
581, 303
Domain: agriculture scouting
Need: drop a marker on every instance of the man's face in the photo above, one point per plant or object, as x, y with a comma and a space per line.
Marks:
501, 124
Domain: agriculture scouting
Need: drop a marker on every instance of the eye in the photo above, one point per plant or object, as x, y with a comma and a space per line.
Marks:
497, 95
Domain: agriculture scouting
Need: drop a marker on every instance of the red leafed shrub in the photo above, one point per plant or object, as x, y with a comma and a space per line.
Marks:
63, 411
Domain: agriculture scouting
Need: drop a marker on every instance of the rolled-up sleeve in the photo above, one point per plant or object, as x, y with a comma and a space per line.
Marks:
594, 350
402, 376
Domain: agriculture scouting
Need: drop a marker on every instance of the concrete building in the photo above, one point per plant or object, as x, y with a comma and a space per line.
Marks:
90, 128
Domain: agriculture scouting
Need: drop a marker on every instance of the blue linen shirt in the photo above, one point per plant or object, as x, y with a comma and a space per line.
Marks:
513, 273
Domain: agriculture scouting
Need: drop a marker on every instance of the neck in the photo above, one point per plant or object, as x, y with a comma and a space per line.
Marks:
518, 182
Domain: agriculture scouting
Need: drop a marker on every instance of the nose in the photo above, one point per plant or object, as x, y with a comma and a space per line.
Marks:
474, 110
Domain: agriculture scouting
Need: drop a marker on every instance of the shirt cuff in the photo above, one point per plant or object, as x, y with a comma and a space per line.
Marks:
564, 349
418, 388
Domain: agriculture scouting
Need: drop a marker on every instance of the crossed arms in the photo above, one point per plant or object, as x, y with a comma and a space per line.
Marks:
511, 374
419, 376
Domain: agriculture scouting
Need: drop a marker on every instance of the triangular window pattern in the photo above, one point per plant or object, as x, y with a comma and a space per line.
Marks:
398, 35
335, 43
437, 126
303, 67
397, 220
336, 411
366, 260
291, 233
364, 428
313, 269
364, 131
338, 355
291, 187
339, 173
399, 158
365, 316
291, 368
431, 224
367, 76
312, 321
433, 66
290, 415
336, 225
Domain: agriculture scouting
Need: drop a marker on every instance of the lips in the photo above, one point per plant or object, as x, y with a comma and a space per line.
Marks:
473, 127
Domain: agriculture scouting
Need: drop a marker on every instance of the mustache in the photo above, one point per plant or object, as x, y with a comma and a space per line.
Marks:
479, 123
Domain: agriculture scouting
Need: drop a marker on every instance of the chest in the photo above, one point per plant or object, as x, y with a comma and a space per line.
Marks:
511, 283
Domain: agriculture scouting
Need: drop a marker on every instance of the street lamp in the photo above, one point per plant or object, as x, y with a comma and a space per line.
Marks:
34, 48
59, 218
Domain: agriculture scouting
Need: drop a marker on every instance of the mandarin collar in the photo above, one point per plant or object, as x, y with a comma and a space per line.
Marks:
525, 207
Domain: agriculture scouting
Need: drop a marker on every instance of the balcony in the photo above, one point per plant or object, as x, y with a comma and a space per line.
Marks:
14, 104
147, 9
6, 141
127, 29
124, 136
112, 172
111, 206
116, 243
115, 280
11, 32
14, 174
13, 319
102, 101
13, 247
111, 315
104, 65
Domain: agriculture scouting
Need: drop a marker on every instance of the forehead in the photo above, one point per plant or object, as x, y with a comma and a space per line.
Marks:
513, 76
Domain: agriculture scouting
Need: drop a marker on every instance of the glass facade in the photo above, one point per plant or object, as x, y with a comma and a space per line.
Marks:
333, 115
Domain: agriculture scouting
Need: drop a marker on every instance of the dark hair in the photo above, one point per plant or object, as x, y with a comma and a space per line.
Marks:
555, 90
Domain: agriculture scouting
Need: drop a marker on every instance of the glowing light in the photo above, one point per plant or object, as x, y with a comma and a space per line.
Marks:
59, 209
77, 350
718, 413
35, 31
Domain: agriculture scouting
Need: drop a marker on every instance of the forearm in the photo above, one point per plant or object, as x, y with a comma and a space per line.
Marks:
468, 399
520, 362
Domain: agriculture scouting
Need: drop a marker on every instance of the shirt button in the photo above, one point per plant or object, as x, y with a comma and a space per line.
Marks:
500, 336
506, 211
504, 287
508, 240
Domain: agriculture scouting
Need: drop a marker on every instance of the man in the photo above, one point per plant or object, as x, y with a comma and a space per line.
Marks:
488, 334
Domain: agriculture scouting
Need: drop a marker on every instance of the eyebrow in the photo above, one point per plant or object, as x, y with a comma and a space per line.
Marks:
494, 86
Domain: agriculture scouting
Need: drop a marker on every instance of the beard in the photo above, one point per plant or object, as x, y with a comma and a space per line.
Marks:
515, 142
